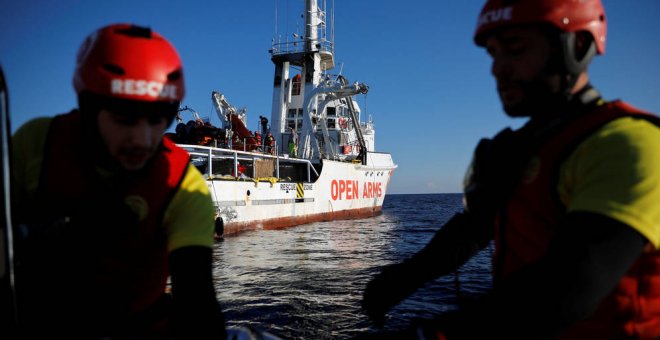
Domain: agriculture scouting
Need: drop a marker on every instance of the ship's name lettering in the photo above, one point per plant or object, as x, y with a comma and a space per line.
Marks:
350, 190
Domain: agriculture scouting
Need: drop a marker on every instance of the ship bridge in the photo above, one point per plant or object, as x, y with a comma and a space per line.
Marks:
294, 52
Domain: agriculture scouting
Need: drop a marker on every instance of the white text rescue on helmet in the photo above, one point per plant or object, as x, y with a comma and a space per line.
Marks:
496, 15
142, 87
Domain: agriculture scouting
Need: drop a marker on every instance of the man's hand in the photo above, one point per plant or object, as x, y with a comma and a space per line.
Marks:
385, 291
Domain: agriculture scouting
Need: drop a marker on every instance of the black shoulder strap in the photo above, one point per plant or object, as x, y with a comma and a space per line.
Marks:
496, 165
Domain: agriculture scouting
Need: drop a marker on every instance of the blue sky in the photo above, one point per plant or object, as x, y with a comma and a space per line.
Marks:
431, 94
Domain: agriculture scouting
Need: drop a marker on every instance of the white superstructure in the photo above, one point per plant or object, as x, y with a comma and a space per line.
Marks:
335, 173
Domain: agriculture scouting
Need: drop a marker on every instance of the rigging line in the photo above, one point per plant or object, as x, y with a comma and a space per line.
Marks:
276, 5
287, 22
332, 27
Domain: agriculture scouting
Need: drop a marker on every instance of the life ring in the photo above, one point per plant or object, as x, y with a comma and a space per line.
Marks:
343, 123
347, 149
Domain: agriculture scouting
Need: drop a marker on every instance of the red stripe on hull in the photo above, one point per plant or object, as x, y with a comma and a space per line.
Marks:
292, 221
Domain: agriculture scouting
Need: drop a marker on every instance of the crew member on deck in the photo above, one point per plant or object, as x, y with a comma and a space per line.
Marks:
293, 143
270, 144
257, 139
571, 199
264, 125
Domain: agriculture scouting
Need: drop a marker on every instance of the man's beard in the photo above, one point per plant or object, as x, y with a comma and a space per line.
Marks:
539, 99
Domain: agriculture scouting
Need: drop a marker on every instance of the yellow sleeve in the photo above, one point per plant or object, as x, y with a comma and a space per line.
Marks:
616, 172
189, 218
28, 144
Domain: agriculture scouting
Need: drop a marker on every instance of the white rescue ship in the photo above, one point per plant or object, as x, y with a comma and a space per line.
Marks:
314, 160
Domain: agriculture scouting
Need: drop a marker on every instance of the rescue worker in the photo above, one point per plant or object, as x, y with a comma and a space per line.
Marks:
571, 198
107, 209
270, 144
264, 124
293, 143
257, 139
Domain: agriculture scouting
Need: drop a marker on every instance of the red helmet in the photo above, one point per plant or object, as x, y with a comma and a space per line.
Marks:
566, 15
124, 61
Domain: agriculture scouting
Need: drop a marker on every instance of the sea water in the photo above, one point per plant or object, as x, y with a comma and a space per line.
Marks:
307, 282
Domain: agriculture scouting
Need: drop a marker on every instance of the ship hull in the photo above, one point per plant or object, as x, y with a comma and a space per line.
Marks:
343, 190
292, 221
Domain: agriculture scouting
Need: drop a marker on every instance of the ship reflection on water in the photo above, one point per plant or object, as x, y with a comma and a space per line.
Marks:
307, 282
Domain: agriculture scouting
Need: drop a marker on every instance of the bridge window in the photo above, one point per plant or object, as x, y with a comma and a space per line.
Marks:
294, 119
295, 85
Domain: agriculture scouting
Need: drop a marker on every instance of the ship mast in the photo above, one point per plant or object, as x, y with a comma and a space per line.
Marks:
300, 101
311, 77
313, 55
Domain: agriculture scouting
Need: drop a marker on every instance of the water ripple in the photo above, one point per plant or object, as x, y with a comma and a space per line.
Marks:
307, 282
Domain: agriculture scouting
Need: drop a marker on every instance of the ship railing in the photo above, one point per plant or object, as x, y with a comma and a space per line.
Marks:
298, 46
210, 153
